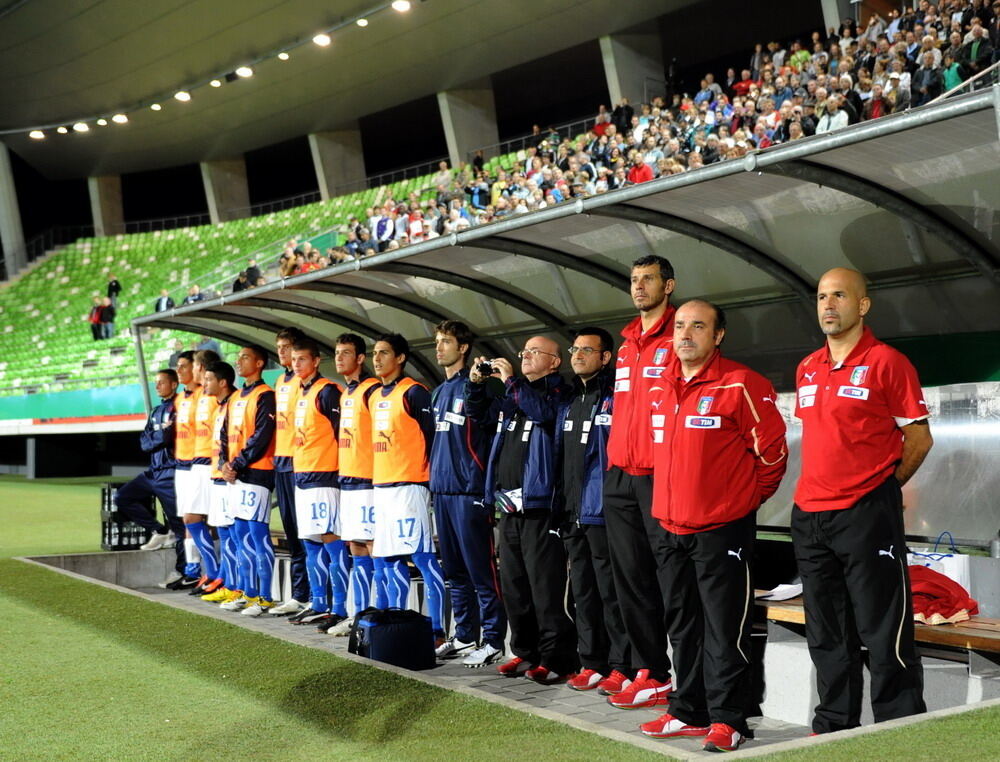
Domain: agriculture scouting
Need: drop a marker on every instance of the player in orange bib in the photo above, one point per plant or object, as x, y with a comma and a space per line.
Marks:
185, 404
201, 478
357, 522
247, 452
402, 432
317, 494
220, 381
286, 389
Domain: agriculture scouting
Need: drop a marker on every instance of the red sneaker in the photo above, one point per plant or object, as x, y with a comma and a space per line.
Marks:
514, 668
587, 680
722, 737
613, 684
669, 726
545, 676
643, 692
212, 586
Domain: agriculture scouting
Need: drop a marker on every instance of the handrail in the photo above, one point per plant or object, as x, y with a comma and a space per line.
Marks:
995, 68
567, 130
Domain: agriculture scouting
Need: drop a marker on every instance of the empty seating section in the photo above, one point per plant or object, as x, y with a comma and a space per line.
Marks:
45, 339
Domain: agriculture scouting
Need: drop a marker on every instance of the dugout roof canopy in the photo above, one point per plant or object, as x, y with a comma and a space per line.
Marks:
910, 200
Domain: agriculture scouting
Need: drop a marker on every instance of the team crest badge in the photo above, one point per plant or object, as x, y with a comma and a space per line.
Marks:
660, 357
456, 406
858, 375
705, 405
605, 405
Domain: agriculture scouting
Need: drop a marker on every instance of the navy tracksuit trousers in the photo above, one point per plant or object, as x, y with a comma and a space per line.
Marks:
130, 500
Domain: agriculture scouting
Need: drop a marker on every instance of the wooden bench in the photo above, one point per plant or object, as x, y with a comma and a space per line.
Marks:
977, 635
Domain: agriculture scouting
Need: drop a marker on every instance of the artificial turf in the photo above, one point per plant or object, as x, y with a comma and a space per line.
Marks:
89, 673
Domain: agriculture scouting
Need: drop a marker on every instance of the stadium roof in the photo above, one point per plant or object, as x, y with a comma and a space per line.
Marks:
910, 200
63, 60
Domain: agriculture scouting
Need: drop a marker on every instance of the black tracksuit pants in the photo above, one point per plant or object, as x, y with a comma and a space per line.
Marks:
284, 487
637, 544
533, 581
708, 602
857, 591
600, 634
131, 499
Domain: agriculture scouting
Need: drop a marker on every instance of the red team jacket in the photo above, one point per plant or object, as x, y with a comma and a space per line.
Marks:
719, 445
641, 361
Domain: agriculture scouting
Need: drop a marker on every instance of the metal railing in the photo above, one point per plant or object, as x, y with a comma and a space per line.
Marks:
985, 78
567, 130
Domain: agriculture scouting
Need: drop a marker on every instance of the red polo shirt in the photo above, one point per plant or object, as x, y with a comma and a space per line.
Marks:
642, 358
719, 443
851, 414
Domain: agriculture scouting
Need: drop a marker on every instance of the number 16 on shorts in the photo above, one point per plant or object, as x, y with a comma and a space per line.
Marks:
317, 510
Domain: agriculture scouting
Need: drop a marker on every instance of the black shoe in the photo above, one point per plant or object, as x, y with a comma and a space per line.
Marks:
297, 618
184, 583
327, 624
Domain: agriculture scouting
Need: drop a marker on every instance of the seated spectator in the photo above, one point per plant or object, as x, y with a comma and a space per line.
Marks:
366, 246
833, 117
977, 53
194, 295
207, 342
241, 283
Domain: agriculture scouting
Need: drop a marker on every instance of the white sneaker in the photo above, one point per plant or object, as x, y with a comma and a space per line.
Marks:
257, 608
291, 606
485, 654
237, 604
451, 647
173, 577
156, 542
342, 628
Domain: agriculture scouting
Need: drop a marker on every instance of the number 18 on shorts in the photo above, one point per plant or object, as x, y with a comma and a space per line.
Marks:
317, 510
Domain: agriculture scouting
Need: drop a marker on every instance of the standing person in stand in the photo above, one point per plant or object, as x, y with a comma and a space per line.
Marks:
636, 541
864, 435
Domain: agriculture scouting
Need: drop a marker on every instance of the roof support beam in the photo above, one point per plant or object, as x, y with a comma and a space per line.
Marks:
253, 322
409, 306
233, 337
489, 288
896, 203
750, 254
584, 266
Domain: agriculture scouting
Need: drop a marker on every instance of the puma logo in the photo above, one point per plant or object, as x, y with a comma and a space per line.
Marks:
809, 376
887, 553
735, 554
768, 399
656, 405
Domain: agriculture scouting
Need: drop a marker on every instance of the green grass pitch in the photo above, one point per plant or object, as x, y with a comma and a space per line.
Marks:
92, 674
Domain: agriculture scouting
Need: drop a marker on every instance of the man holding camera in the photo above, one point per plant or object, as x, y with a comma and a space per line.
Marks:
464, 524
520, 481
